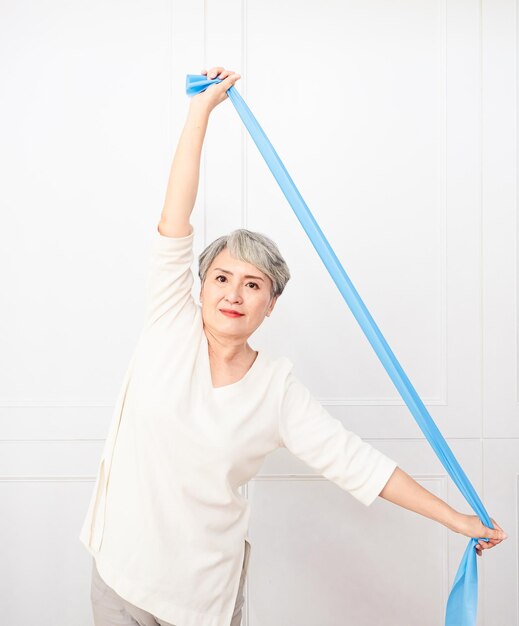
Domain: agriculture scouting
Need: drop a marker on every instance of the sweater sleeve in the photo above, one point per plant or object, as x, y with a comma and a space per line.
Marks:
321, 441
169, 300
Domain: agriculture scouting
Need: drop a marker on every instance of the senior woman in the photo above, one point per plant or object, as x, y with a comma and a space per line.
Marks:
198, 412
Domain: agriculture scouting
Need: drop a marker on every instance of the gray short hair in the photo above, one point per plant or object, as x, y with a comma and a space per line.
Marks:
250, 247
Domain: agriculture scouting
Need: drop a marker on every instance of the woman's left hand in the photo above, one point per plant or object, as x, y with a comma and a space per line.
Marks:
472, 526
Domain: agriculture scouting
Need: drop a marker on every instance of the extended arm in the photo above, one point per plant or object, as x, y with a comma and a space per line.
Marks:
184, 174
185, 168
402, 490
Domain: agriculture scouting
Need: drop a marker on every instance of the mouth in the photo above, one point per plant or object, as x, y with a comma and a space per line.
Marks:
231, 313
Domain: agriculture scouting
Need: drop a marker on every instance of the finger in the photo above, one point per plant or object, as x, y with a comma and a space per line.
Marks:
499, 527
224, 73
214, 71
496, 525
481, 548
494, 533
229, 81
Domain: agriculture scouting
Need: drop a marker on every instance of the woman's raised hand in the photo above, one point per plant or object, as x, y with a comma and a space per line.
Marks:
216, 92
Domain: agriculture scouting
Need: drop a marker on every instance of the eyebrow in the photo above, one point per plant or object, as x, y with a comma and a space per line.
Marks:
219, 269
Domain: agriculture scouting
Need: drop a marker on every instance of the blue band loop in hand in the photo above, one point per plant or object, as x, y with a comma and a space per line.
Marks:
461, 607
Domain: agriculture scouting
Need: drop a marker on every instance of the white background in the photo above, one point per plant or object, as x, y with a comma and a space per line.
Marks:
397, 122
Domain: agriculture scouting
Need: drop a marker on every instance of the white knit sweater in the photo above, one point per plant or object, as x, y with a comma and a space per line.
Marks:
167, 529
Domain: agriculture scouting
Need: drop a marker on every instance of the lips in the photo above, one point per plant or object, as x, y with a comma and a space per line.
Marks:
231, 313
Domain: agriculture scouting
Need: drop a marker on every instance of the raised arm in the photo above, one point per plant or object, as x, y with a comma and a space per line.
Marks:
185, 168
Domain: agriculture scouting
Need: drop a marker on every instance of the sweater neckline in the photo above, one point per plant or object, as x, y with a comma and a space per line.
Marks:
222, 388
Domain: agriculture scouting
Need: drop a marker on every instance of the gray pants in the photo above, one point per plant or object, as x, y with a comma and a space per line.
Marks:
111, 610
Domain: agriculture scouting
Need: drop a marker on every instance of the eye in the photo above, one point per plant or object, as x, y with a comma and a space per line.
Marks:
225, 278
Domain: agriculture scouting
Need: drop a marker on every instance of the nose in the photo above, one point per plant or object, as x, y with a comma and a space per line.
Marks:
232, 299
233, 295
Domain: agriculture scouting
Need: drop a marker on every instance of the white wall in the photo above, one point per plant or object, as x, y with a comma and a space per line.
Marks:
397, 122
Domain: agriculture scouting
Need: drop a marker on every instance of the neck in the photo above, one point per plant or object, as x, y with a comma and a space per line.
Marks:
227, 351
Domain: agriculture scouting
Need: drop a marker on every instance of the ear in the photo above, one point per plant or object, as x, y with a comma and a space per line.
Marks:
272, 305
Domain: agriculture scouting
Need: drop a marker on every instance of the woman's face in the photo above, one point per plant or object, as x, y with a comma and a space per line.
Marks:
237, 286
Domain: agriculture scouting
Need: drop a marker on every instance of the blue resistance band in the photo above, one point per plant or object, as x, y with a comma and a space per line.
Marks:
463, 599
